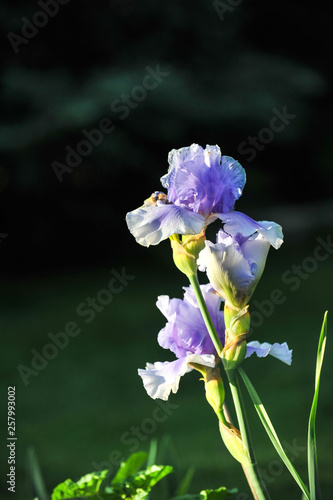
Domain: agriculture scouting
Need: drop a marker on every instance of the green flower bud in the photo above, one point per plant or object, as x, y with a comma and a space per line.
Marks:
234, 352
233, 442
214, 387
186, 251
237, 320
237, 326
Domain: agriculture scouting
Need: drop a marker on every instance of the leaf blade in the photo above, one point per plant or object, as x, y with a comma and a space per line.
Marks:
268, 426
312, 442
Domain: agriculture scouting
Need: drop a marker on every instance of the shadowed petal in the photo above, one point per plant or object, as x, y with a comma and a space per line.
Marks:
237, 222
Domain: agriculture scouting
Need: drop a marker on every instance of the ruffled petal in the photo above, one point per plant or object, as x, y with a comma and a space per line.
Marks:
159, 379
279, 351
203, 180
237, 222
229, 184
151, 224
186, 330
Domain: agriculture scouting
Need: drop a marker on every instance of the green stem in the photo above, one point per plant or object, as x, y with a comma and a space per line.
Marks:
205, 314
250, 471
238, 407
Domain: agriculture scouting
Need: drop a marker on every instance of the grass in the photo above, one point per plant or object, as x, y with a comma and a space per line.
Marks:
85, 407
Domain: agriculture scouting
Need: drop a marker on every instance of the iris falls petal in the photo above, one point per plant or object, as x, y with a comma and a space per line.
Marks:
279, 351
159, 378
150, 224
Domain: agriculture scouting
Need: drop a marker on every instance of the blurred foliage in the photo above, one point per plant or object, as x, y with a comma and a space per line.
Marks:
225, 78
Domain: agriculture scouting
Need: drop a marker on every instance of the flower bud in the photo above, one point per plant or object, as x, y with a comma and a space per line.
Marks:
237, 320
214, 387
186, 252
237, 323
234, 352
233, 442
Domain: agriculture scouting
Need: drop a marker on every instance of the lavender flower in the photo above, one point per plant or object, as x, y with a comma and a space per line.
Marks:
186, 335
235, 263
200, 183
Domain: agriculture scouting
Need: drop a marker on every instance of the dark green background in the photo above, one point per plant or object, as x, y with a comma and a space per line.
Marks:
63, 239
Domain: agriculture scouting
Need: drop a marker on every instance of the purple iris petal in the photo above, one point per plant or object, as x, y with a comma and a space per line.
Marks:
237, 222
186, 331
279, 351
150, 224
202, 180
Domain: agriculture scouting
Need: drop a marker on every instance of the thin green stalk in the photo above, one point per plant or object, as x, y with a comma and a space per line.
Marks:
313, 472
251, 471
205, 314
238, 407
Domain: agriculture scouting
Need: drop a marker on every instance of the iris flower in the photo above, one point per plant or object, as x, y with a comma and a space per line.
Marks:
235, 263
200, 184
186, 335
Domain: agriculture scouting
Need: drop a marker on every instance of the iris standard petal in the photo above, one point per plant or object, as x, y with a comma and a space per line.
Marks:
237, 222
185, 330
150, 224
279, 351
255, 250
203, 180
227, 270
159, 379
229, 184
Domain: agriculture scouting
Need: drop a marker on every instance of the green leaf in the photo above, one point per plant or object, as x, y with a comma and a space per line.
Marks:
36, 475
185, 484
312, 445
130, 467
85, 487
148, 478
268, 426
138, 486
218, 494
152, 453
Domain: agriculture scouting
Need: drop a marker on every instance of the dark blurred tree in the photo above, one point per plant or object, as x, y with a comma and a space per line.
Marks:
225, 79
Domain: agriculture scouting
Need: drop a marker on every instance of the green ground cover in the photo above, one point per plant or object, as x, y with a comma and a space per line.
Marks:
85, 407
